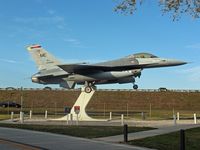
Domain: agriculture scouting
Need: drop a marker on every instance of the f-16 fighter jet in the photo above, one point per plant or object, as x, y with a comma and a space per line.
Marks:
123, 70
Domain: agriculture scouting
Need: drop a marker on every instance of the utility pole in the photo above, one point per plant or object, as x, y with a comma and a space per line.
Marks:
55, 109
104, 110
126, 109
150, 110
21, 98
9, 103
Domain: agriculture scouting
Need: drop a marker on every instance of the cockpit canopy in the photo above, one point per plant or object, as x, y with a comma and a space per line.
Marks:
142, 55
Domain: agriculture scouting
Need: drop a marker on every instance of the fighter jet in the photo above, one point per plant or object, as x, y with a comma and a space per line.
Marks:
123, 70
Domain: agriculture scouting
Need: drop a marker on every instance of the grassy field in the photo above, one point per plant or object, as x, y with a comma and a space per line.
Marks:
78, 131
133, 100
156, 105
171, 141
4, 116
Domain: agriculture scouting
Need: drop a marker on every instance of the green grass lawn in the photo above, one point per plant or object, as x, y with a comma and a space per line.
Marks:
78, 131
4, 116
171, 141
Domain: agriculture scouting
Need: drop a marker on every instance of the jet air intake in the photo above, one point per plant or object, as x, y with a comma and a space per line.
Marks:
35, 80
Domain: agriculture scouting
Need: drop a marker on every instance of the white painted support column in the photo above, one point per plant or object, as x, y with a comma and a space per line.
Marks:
82, 101
195, 119
21, 117
46, 114
12, 116
174, 119
30, 114
110, 115
122, 119
178, 117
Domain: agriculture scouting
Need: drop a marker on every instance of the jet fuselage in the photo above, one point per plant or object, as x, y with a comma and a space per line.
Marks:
123, 70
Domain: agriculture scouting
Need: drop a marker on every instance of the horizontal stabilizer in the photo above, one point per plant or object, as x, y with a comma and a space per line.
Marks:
68, 84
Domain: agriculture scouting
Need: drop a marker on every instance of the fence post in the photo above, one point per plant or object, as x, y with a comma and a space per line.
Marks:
71, 119
110, 115
125, 133
46, 114
30, 114
12, 116
195, 119
143, 115
122, 119
67, 119
21, 118
178, 117
174, 118
77, 119
182, 139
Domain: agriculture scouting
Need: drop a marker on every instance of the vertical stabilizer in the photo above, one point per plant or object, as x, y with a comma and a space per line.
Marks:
42, 58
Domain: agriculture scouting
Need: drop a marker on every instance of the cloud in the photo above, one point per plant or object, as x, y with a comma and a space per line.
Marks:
193, 73
51, 19
40, 20
9, 61
72, 41
36, 27
61, 27
51, 12
194, 46
39, 1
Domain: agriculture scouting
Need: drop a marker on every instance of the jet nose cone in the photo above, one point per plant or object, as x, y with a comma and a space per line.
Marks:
178, 62
183, 63
172, 62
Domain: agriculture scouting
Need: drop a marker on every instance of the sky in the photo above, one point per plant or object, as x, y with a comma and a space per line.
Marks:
90, 31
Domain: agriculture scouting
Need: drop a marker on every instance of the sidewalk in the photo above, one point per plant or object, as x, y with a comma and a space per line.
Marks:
43, 140
51, 141
149, 133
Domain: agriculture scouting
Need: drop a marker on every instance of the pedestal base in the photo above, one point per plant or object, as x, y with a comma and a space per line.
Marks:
82, 102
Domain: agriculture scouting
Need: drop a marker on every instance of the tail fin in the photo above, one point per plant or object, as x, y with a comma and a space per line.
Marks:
42, 58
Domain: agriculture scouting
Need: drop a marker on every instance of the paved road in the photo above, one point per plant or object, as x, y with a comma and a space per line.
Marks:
10, 145
43, 140
14, 139
149, 133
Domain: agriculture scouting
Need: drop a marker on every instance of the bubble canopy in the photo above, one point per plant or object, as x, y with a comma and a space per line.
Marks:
142, 55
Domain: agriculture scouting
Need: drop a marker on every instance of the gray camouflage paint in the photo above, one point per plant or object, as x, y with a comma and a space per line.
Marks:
123, 70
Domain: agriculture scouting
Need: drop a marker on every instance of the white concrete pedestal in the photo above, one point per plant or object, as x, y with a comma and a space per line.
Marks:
82, 101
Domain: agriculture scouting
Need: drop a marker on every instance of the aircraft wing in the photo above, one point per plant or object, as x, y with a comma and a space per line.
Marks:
84, 69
